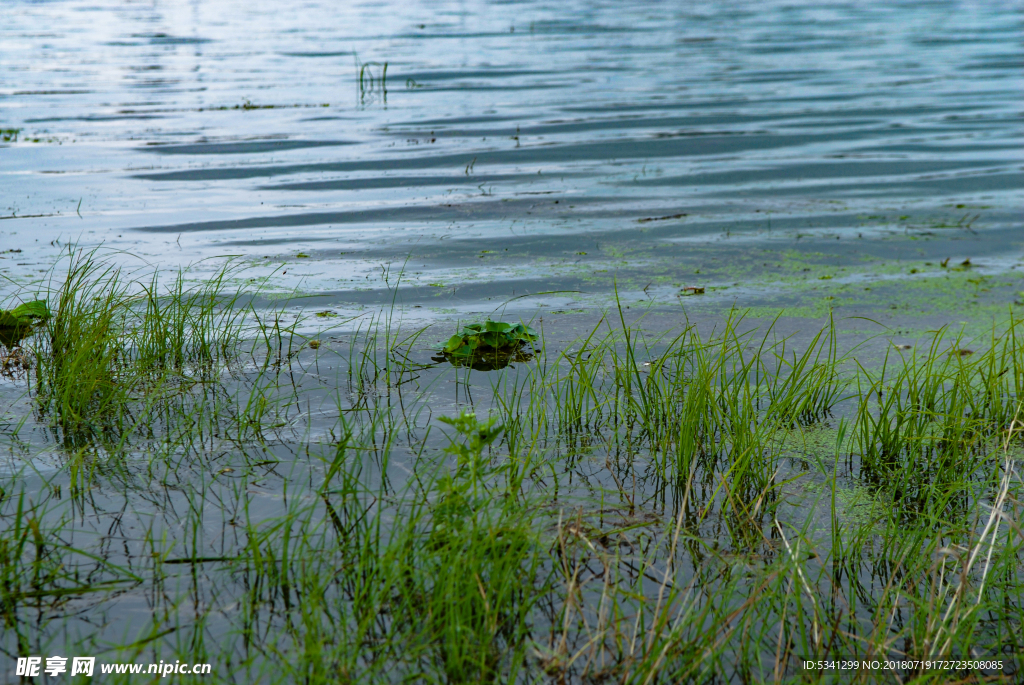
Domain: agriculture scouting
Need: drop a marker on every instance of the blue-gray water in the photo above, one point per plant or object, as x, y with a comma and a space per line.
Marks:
511, 147
778, 154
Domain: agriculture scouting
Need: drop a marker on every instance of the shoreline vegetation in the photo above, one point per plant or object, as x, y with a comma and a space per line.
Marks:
632, 507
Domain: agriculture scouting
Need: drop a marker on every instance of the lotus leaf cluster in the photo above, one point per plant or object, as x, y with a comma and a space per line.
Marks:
489, 337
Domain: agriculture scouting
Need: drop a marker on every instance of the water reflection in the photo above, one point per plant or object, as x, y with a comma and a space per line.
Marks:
488, 360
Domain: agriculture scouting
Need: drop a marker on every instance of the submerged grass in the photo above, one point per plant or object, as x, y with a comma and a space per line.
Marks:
194, 482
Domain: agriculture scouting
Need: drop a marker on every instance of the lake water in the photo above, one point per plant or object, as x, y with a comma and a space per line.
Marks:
514, 148
448, 160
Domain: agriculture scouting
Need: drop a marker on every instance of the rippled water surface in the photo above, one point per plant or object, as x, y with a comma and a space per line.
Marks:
857, 160
517, 147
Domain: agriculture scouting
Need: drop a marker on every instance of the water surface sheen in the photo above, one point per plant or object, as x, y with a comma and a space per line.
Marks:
511, 147
863, 158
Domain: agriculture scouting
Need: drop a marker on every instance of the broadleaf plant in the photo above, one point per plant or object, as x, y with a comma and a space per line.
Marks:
24, 314
489, 336
18, 323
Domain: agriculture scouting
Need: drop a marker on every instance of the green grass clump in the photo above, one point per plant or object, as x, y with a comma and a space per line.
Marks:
442, 581
113, 342
124, 359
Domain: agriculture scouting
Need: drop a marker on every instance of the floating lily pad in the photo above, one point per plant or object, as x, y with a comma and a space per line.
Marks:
17, 323
489, 345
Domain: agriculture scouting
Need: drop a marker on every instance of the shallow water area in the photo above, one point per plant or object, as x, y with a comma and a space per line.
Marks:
290, 505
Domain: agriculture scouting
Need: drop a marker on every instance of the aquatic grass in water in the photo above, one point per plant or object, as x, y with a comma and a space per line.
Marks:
634, 507
120, 356
109, 346
927, 424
